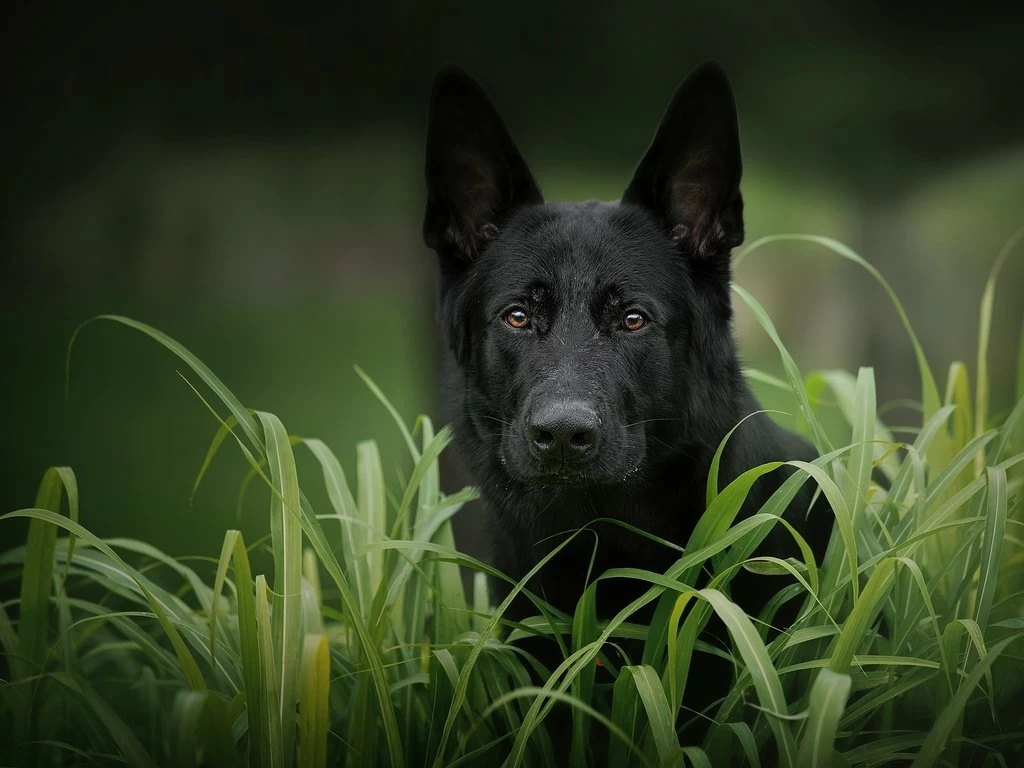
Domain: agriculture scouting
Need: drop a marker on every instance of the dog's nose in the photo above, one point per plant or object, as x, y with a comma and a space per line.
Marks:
563, 429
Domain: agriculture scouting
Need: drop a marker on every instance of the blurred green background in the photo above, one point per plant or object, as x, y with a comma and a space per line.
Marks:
250, 182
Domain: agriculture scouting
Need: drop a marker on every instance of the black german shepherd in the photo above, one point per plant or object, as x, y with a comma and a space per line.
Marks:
593, 371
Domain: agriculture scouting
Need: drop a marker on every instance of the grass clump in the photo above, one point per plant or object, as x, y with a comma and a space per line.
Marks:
362, 648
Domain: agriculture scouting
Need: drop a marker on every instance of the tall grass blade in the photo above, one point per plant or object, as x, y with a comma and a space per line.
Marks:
224, 430
992, 544
286, 535
427, 503
66, 637
584, 631
844, 524
864, 611
37, 581
625, 710
958, 394
249, 644
395, 416
844, 387
372, 507
745, 737
712, 484
755, 658
1019, 389
860, 460
796, 381
353, 533
828, 700
985, 331
272, 746
659, 715
245, 420
1010, 429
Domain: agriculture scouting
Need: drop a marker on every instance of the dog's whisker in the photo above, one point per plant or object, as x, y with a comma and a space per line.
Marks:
674, 448
506, 422
649, 421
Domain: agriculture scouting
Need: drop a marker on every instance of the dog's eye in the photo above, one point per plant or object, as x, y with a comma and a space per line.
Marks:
633, 320
517, 318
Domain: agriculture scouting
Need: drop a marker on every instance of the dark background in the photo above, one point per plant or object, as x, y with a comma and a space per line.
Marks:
249, 181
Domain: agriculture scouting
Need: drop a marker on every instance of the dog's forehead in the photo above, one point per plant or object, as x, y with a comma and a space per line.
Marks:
579, 247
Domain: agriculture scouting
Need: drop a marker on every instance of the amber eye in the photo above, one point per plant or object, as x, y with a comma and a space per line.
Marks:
517, 318
633, 321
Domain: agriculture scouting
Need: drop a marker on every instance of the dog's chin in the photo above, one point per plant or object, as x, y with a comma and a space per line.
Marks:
568, 477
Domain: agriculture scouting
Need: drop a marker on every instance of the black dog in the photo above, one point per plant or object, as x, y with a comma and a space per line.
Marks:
593, 371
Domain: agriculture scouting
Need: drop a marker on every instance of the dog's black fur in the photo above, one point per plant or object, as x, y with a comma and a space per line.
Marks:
634, 416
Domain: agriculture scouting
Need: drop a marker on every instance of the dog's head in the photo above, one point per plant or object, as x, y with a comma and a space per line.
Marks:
592, 337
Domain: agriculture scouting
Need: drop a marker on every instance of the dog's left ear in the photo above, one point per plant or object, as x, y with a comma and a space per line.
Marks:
690, 176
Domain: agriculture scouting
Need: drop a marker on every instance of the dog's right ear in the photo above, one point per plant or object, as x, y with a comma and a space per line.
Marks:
475, 174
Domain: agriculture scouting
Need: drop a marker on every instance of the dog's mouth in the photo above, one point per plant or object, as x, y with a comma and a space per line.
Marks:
568, 479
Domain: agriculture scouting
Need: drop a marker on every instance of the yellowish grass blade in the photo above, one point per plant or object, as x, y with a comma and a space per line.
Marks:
313, 702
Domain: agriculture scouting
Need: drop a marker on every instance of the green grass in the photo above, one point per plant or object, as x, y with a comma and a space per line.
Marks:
360, 647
